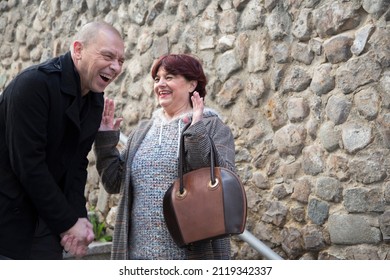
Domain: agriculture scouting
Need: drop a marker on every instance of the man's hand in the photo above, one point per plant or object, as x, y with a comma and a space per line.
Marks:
76, 239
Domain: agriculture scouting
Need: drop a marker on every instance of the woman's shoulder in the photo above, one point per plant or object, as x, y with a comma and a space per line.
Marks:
211, 113
212, 116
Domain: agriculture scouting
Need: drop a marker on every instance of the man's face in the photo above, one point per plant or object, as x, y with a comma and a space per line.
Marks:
100, 61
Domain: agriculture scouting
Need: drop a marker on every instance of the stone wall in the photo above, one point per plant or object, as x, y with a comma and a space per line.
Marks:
303, 84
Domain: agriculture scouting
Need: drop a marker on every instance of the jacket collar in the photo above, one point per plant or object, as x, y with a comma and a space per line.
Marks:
70, 85
70, 79
70, 82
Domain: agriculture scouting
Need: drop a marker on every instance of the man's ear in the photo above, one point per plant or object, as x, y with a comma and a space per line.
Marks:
77, 48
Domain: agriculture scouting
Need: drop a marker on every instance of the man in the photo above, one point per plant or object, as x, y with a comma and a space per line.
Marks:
49, 115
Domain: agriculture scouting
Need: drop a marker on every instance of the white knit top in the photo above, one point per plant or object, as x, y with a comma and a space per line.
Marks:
153, 170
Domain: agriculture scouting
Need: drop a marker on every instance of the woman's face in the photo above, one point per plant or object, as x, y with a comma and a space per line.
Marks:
172, 91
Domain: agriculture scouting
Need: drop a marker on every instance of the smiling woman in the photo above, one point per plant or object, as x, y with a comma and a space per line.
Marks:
151, 157
173, 92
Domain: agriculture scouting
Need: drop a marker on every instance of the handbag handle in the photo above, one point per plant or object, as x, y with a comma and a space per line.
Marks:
213, 181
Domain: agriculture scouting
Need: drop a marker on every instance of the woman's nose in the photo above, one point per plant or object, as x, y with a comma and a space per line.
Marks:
161, 82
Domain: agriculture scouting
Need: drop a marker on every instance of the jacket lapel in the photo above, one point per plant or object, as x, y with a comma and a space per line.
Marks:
72, 112
91, 121
70, 87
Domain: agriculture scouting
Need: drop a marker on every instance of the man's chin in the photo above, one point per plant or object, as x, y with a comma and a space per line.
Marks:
100, 88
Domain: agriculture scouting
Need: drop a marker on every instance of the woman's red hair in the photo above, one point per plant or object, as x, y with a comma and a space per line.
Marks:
185, 65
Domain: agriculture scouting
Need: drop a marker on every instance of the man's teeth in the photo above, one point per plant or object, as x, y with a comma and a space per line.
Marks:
105, 77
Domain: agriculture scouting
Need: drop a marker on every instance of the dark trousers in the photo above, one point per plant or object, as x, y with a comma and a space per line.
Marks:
46, 245
4, 258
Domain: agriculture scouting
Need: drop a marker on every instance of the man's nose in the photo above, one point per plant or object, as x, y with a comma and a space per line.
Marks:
116, 66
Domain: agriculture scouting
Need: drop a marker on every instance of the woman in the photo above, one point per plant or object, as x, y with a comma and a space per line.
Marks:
147, 167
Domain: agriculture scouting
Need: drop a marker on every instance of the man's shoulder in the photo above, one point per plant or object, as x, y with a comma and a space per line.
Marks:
56, 64
40, 70
44, 72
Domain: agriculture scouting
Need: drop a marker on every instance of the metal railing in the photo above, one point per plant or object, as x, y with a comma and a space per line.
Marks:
259, 246
246, 236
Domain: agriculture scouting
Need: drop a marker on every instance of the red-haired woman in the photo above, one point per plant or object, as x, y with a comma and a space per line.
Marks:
147, 167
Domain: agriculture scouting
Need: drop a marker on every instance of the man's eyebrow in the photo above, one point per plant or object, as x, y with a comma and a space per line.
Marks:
111, 53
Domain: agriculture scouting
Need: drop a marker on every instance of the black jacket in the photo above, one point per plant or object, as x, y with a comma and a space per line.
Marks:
45, 137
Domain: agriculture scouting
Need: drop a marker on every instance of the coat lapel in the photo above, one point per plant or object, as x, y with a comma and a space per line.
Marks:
72, 112
94, 104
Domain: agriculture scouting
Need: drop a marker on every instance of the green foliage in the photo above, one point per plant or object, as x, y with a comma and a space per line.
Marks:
99, 228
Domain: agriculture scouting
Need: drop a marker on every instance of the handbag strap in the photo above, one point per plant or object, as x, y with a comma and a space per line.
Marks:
182, 160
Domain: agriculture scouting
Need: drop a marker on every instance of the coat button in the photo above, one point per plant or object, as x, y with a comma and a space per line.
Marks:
16, 210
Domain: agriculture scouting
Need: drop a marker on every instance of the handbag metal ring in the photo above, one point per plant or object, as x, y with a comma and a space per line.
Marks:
213, 186
181, 195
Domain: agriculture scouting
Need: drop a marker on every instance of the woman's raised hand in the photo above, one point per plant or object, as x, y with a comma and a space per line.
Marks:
109, 122
197, 107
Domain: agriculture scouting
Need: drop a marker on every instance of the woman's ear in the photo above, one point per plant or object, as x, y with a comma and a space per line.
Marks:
193, 85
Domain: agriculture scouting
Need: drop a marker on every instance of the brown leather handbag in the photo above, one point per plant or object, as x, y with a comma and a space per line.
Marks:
205, 203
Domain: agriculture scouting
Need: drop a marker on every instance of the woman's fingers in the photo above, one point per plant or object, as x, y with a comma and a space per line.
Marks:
108, 119
197, 107
117, 123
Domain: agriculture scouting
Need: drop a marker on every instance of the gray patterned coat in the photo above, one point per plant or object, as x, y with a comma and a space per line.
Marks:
114, 168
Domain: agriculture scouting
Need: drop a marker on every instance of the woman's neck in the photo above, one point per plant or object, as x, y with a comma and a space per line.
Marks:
177, 113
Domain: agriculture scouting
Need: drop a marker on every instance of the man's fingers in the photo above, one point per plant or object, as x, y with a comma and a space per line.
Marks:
73, 246
64, 239
90, 237
88, 224
81, 251
66, 242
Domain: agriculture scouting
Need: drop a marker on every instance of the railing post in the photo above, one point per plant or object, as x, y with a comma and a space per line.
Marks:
259, 246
